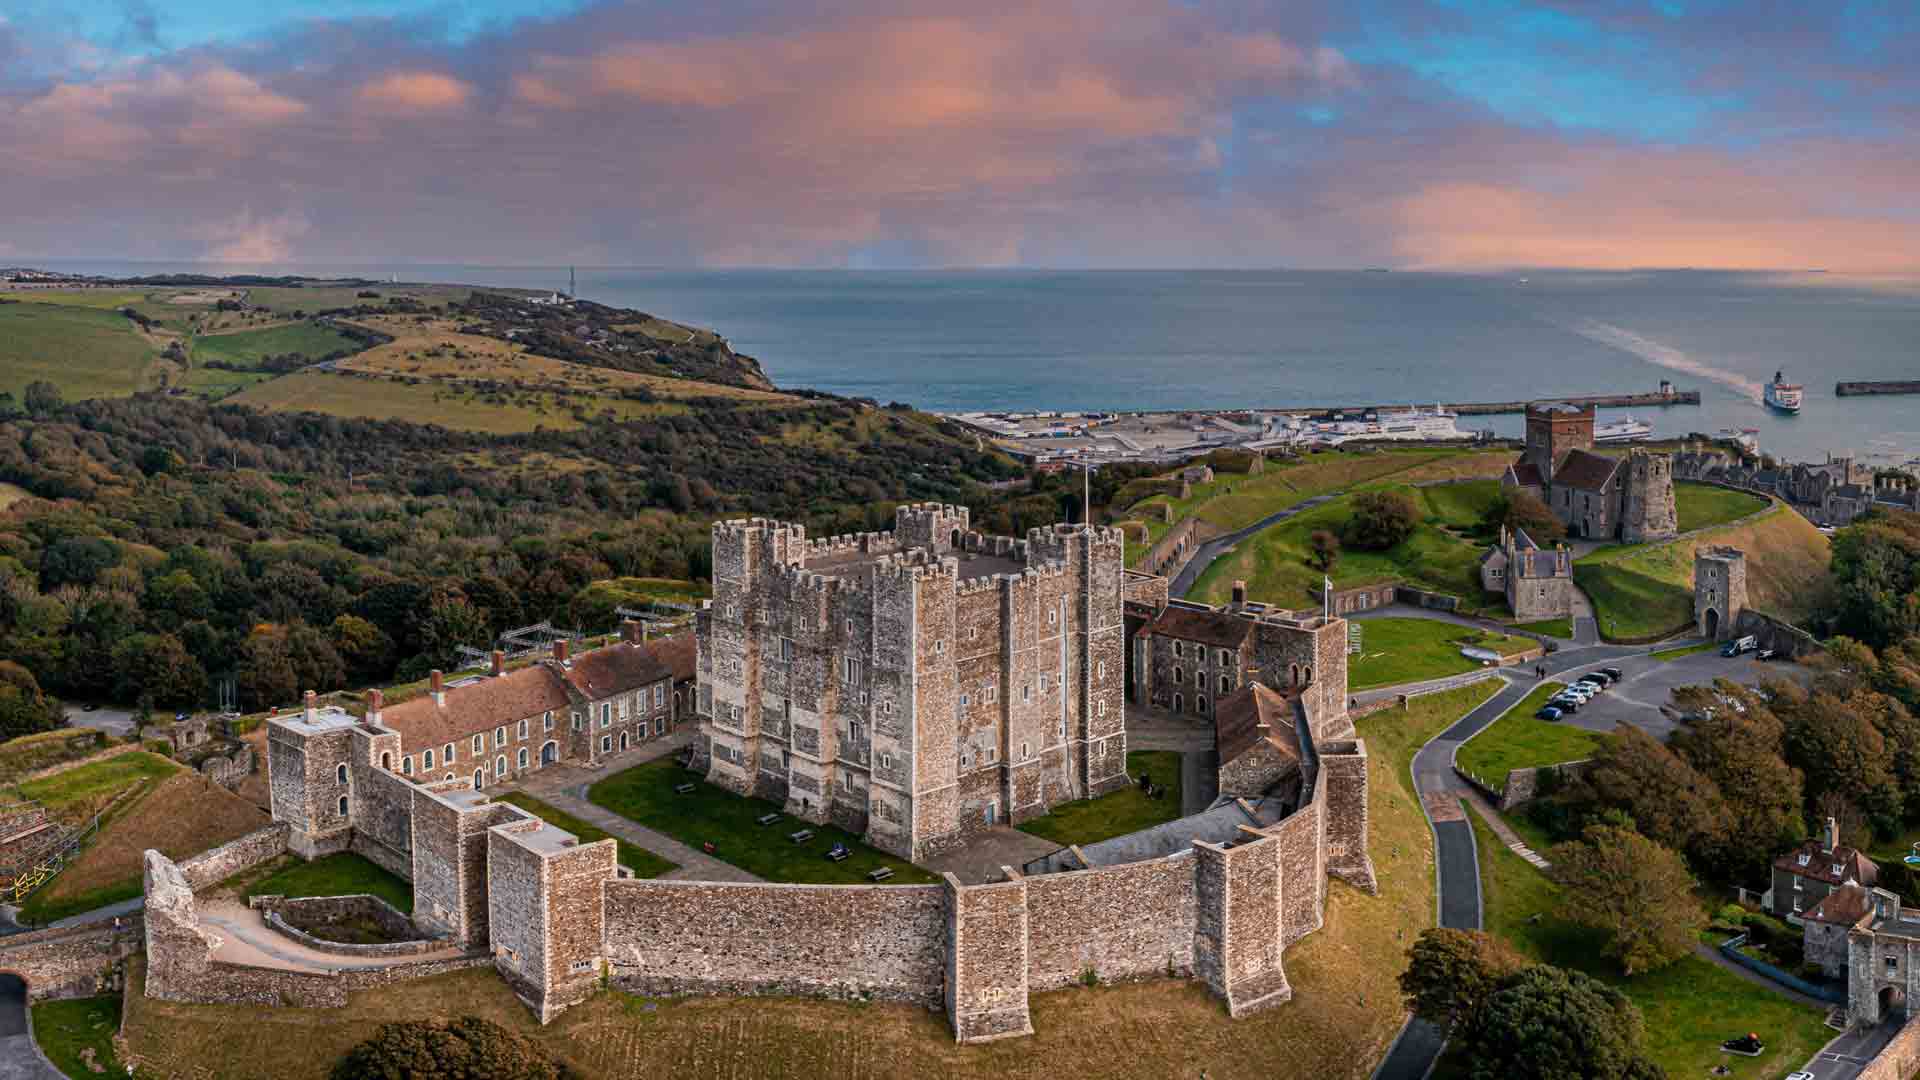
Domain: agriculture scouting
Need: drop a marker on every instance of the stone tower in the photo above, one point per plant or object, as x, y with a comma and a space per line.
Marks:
1719, 590
1554, 428
1646, 498
307, 777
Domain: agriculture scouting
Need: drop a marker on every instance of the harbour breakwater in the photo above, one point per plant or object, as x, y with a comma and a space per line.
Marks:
1862, 389
1489, 408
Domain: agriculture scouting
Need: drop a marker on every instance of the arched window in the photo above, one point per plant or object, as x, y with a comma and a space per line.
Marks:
341, 772
1293, 674
426, 759
1200, 704
386, 762
1179, 703
1179, 676
406, 766
1306, 676
343, 806
500, 766
1225, 684
623, 742
523, 757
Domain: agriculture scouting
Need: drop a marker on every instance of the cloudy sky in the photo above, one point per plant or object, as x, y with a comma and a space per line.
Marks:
884, 133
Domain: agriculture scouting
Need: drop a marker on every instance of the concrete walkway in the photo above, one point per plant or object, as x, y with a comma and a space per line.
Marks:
1505, 832
245, 938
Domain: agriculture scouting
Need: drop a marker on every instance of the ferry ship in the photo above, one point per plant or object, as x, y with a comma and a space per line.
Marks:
1782, 394
1411, 425
1625, 429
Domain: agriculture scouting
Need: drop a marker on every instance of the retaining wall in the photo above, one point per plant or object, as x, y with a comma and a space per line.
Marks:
1730, 949
299, 917
1118, 923
210, 868
1523, 784
69, 962
1775, 633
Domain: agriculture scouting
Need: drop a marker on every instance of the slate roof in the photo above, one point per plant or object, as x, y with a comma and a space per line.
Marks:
1820, 865
1844, 906
1251, 715
1525, 474
1218, 628
1584, 470
474, 708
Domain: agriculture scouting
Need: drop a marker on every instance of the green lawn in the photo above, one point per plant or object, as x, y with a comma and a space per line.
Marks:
1275, 563
1462, 505
1518, 741
345, 874
1689, 1007
1686, 650
714, 815
1395, 651
88, 783
85, 351
247, 347
642, 862
77, 1035
1116, 813
1632, 599
1701, 505
1560, 628
1395, 735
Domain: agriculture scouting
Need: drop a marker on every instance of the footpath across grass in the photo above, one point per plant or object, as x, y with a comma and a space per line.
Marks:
1396, 651
1120, 812
1689, 1007
1518, 741
714, 815
344, 874
642, 862
77, 1034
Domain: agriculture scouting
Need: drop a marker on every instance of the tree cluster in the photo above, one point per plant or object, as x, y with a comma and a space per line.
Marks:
461, 1049
1380, 520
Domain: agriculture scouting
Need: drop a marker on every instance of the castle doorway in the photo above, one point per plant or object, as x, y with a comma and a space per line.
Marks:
550, 753
623, 742
1711, 624
13, 1005
1892, 1000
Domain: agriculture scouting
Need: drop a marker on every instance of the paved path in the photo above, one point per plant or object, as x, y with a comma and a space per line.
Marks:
1219, 545
1504, 831
245, 938
19, 1060
1849, 1052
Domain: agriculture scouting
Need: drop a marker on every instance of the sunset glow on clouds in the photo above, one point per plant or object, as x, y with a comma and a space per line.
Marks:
1458, 133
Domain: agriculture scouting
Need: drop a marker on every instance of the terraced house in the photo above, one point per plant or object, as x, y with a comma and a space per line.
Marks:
497, 726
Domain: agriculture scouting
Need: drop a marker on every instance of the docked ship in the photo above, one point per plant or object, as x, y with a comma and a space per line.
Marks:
1332, 429
1782, 394
1625, 429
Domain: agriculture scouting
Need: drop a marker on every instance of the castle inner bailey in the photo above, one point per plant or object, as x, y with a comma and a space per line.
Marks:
1719, 591
1596, 496
917, 686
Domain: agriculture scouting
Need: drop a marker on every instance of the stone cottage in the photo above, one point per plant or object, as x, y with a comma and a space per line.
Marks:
1823, 929
1537, 583
1804, 876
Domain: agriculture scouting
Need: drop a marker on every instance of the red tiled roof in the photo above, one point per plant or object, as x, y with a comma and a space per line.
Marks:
1820, 865
1584, 470
680, 654
474, 708
1250, 715
1219, 628
1843, 906
616, 669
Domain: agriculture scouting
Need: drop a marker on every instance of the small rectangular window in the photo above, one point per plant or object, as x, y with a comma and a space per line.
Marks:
993, 694
786, 650
659, 695
606, 744
1023, 752
965, 701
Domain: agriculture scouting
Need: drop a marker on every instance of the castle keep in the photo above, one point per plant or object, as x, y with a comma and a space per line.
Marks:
1596, 496
917, 686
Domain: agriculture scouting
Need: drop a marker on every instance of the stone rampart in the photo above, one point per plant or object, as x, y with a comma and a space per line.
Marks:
1901, 1058
68, 962
210, 868
383, 820
1089, 923
228, 770
671, 937
1523, 785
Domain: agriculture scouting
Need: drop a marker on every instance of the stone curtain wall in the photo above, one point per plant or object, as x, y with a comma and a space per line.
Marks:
298, 919
1123, 922
1776, 633
70, 962
986, 991
851, 941
382, 804
1900, 1060
1174, 550
229, 771
210, 868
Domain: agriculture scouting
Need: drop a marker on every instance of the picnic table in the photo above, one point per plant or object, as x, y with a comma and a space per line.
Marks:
800, 837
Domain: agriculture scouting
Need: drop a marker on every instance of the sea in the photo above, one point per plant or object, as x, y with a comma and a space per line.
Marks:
988, 340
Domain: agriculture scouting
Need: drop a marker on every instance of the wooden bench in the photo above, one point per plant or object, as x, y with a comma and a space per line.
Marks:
768, 819
801, 837
881, 874
683, 789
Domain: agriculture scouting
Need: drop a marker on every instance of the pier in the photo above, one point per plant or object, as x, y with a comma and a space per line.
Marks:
1605, 401
1863, 389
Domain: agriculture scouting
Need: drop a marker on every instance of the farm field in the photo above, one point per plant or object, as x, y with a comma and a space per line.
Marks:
1396, 651
1688, 1007
429, 402
1334, 1027
85, 351
1116, 813
1275, 565
1518, 741
247, 347
182, 815
1642, 591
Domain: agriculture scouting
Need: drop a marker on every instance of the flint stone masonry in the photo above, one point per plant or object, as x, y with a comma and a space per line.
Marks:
986, 991
1901, 1057
882, 942
71, 962
210, 868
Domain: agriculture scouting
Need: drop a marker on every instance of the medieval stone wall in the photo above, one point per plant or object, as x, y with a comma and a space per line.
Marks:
70, 962
1776, 633
304, 786
986, 991
1900, 1060
1648, 511
228, 770
212, 867
382, 804
670, 937
516, 916
1114, 923
303, 919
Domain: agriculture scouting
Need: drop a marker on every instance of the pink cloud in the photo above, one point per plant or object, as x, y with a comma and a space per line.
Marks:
416, 91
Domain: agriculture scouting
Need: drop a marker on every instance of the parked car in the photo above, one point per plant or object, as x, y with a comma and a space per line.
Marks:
1598, 682
1579, 690
1549, 712
1766, 654
1613, 673
1566, 704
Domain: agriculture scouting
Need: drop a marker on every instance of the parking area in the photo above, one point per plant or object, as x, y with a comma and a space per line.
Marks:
1649, 683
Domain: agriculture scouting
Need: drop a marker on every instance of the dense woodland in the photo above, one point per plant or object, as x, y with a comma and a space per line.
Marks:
168, 542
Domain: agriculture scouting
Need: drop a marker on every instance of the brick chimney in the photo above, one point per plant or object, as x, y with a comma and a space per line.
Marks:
375, 702
631, 631
499, 662
1239, 594
312, 708
1831, 836
562, 649
439, 684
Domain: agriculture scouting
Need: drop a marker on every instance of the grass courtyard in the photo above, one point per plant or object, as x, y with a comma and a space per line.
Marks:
77, 1034
1689, 1007
1701, 505
709, 814
642, 862
1395, 651
1518, 741
1120, 812
342, 874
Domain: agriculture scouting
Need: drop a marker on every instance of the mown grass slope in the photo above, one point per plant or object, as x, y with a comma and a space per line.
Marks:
1396, 651
85, 351
1518, 741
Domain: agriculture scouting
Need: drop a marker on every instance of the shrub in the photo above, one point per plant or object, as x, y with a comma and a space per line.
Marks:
1380, 520
449, 1050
